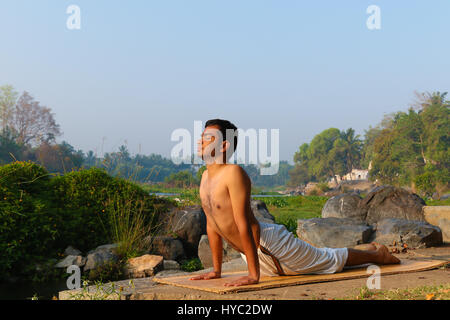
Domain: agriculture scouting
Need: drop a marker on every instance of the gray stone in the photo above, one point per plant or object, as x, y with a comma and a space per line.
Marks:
392, 202
98, 258
105, 247
261, 212
71, 251
333, 232
168, 247
205, 255
415, 234
188, 224
171, 265
71, 260
344, 206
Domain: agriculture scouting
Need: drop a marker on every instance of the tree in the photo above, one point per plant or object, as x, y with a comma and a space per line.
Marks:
181, 179
413, 147
33, 122
58, 157
326, 156
351, 147
8, 98
9, 149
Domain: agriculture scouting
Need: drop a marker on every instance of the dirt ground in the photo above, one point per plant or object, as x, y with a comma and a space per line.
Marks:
146, 289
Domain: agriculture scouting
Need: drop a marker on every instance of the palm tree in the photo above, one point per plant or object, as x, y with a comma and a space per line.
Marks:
352, 146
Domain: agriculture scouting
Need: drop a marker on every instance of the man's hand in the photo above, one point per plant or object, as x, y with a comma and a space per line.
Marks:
242, 282
207, 276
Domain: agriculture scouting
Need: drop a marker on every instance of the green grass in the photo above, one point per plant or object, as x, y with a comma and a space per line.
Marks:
288, 210
438, 292
431, 202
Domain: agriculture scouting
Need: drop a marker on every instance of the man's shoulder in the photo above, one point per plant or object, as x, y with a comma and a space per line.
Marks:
236, 170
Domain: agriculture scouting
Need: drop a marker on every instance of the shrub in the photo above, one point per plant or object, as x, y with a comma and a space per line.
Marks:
28, 220
40, 215
191, 265
82, 198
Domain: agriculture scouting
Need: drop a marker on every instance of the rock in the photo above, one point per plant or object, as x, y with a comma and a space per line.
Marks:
205, 255
168, 247
188, 224
144, 266
106, 247
344, 206
392, 202
439, 216
71, 260
261, 212
416, 234
98, 258
171, 265
71, 251
333, 232
445, 196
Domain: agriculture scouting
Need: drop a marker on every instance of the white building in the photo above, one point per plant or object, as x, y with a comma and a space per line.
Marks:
355, 174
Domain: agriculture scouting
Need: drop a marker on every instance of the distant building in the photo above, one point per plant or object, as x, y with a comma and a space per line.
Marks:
355, 174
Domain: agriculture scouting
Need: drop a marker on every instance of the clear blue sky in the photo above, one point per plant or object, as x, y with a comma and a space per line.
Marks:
137, 70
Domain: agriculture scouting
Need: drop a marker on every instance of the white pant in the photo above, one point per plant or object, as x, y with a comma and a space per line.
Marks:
294, 255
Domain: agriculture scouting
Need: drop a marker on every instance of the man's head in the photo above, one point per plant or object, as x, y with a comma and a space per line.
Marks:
219, 135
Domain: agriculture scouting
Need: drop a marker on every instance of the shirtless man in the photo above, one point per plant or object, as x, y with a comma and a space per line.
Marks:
225, 196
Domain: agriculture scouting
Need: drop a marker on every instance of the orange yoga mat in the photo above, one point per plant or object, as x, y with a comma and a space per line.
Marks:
217, 285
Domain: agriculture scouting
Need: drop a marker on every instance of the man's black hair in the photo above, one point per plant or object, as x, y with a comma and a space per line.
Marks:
224, 125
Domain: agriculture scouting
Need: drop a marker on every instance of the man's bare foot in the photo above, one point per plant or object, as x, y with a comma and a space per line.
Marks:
385, 257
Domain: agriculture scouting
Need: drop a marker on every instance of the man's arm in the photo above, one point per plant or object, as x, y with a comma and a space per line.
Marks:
215, 243
239, 187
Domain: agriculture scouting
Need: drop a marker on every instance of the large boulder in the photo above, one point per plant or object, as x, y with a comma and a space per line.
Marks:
168, 247
261, 212
205, 255
344, 206
98, 258
392, 202
439, 216
188, 224
415, 234
333, 232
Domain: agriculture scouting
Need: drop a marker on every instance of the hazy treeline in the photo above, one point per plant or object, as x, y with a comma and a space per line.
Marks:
405, 148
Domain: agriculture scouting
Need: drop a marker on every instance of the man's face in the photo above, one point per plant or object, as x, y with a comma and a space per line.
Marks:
209, 142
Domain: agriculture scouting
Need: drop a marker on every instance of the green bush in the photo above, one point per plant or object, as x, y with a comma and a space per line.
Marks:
40, 216
28, 220
82, 199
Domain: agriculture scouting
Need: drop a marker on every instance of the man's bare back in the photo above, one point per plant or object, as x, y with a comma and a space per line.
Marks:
217, 204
